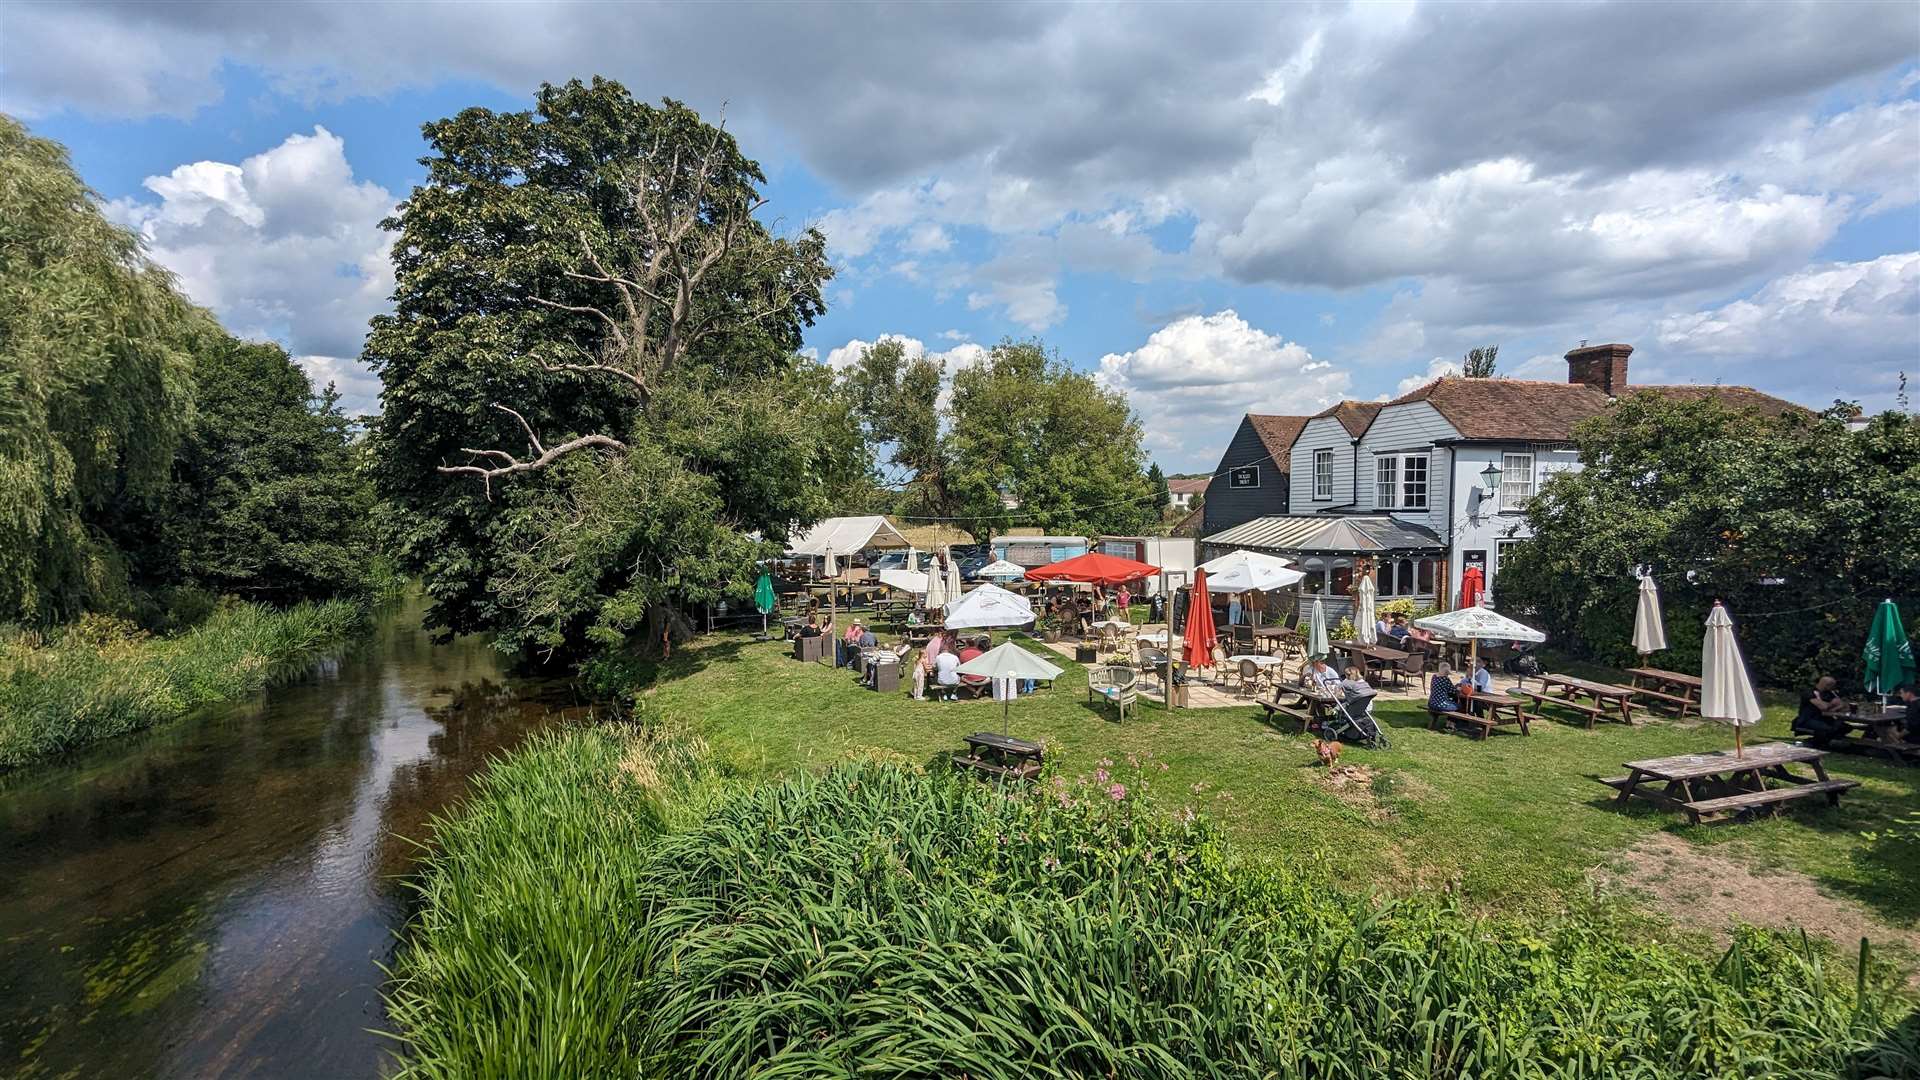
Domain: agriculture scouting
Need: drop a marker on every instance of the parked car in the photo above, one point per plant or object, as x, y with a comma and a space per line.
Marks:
971, 565
892, 560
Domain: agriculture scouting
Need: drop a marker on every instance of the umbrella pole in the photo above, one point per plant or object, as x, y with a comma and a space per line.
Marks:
1739, 750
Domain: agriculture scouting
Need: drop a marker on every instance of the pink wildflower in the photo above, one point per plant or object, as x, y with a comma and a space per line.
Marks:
1117, 792
1100, 776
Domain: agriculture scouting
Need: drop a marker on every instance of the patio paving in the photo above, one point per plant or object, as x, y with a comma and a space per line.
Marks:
1205, 693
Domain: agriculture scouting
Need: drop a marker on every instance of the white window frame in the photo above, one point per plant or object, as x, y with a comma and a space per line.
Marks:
1386, 481
1392, 490
1323, 493
1517, 481
1500, 550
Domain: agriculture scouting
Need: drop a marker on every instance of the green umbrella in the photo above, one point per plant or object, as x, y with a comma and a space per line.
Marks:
1889, 655
763, 599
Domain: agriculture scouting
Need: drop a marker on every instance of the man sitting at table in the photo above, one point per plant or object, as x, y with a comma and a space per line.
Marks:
1397, 628
1321, 676
969, 651
1481, 681
946, 670
1821, 710
1909, 697
867, 640
1416, 637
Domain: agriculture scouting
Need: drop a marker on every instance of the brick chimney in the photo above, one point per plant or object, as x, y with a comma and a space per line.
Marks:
1603, 367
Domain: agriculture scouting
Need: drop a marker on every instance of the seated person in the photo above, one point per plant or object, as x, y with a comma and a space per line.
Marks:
1383, 628
867, 640
1416, 637
1355, 684
812, 629
946, 669
1442, 695
1321, 676
1909, 697
1398, 629
1821, 710
967, 652
1480, 682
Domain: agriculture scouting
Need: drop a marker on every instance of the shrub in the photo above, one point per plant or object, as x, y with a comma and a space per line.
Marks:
101, 677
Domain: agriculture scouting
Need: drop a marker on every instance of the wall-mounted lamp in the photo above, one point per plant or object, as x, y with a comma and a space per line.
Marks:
1490, 480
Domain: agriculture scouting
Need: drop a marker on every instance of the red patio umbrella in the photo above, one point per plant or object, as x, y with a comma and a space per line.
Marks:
1471, 582
1198, 652
1093, 568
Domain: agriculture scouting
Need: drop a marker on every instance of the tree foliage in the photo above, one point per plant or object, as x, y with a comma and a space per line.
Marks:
897, 399
141, 447
1800, 525
1479, 363
1162, 493
529, 312
1066, 449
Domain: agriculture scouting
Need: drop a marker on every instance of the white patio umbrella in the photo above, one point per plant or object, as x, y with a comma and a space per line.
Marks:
988, 606
1363, 617
1726, 692
1249, 571
1001, 568
1317, 647
907, 581
1476, 624
1004, 665
936, 587
954, 586
1649, 632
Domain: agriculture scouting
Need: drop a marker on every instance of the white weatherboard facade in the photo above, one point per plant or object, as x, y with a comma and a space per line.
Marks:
1413, 464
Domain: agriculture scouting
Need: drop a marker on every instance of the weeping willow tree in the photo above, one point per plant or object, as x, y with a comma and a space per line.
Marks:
95, 386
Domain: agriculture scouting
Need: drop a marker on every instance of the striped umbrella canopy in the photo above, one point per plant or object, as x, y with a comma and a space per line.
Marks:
1888, 655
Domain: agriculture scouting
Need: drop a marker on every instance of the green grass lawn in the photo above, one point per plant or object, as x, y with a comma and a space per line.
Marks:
1513, 823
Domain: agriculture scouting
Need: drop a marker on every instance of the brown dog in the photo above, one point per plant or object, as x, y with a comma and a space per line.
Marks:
1329, 752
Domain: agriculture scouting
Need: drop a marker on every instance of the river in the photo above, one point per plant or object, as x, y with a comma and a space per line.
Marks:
215, 898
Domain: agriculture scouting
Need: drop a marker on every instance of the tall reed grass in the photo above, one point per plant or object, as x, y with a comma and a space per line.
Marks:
874, 920
100, 677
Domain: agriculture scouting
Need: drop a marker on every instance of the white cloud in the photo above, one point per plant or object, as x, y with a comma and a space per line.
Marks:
1833, 330
1193, 378
927, 237
285, 246
1436, 368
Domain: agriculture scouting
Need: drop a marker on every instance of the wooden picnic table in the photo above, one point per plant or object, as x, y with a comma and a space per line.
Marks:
1486, 710
1675, 690
1886, 734
1001, 756
1306, 704
1608, 699
1720, 783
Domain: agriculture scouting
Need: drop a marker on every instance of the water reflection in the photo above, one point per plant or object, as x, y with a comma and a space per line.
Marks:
215, 898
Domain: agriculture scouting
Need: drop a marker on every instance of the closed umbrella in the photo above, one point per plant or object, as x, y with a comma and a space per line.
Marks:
1726, 692
1199, 648
1472, 582
988, 606
831, 570
763, 599
936, 586
954, 587
1317, 647
1363, 617
1649, 632
1889, 655
1005, 665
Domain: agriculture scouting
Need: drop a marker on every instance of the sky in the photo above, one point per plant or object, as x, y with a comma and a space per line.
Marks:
1217, 209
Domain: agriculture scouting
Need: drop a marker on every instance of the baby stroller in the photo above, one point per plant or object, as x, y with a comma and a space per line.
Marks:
1352, 722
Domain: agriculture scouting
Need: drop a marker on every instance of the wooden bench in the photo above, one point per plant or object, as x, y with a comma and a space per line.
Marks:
1001, 756
1680, 705
1483, 723
1541, 700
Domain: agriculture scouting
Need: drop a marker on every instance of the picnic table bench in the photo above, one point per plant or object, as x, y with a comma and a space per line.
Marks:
1881, 734
1674, 690
1713, 785
1305, 704
1000, 756
1608, 700
1372, 658
1499, 709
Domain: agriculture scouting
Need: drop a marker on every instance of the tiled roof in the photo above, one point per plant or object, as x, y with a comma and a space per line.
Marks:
1189, 526
1527, 409
1190, 486
1277, 434
1353, 415
1326, 533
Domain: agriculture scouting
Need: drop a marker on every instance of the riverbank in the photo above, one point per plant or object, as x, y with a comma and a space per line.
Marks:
99, 678
608, 905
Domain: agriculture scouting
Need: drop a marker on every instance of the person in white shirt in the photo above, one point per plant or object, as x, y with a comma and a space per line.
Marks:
947, 668
1322, 676
1481, 681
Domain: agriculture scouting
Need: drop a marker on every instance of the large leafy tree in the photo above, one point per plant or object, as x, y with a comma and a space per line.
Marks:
591, 402
1801, 525
1025, 424
266, 500
896, 397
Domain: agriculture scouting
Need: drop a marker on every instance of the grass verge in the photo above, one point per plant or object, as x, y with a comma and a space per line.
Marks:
878, 918
99, 678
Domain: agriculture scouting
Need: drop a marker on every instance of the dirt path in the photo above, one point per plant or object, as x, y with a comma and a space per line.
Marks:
1701, 889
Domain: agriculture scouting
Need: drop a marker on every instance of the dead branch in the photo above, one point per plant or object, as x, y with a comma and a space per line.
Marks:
544, 455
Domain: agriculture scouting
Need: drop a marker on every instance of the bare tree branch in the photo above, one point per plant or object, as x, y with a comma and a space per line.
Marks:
545, 455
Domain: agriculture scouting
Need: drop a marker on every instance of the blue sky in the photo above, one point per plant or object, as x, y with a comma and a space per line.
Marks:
1217, 209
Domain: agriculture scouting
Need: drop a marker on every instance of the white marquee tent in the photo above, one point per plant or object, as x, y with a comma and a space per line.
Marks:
846, 535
